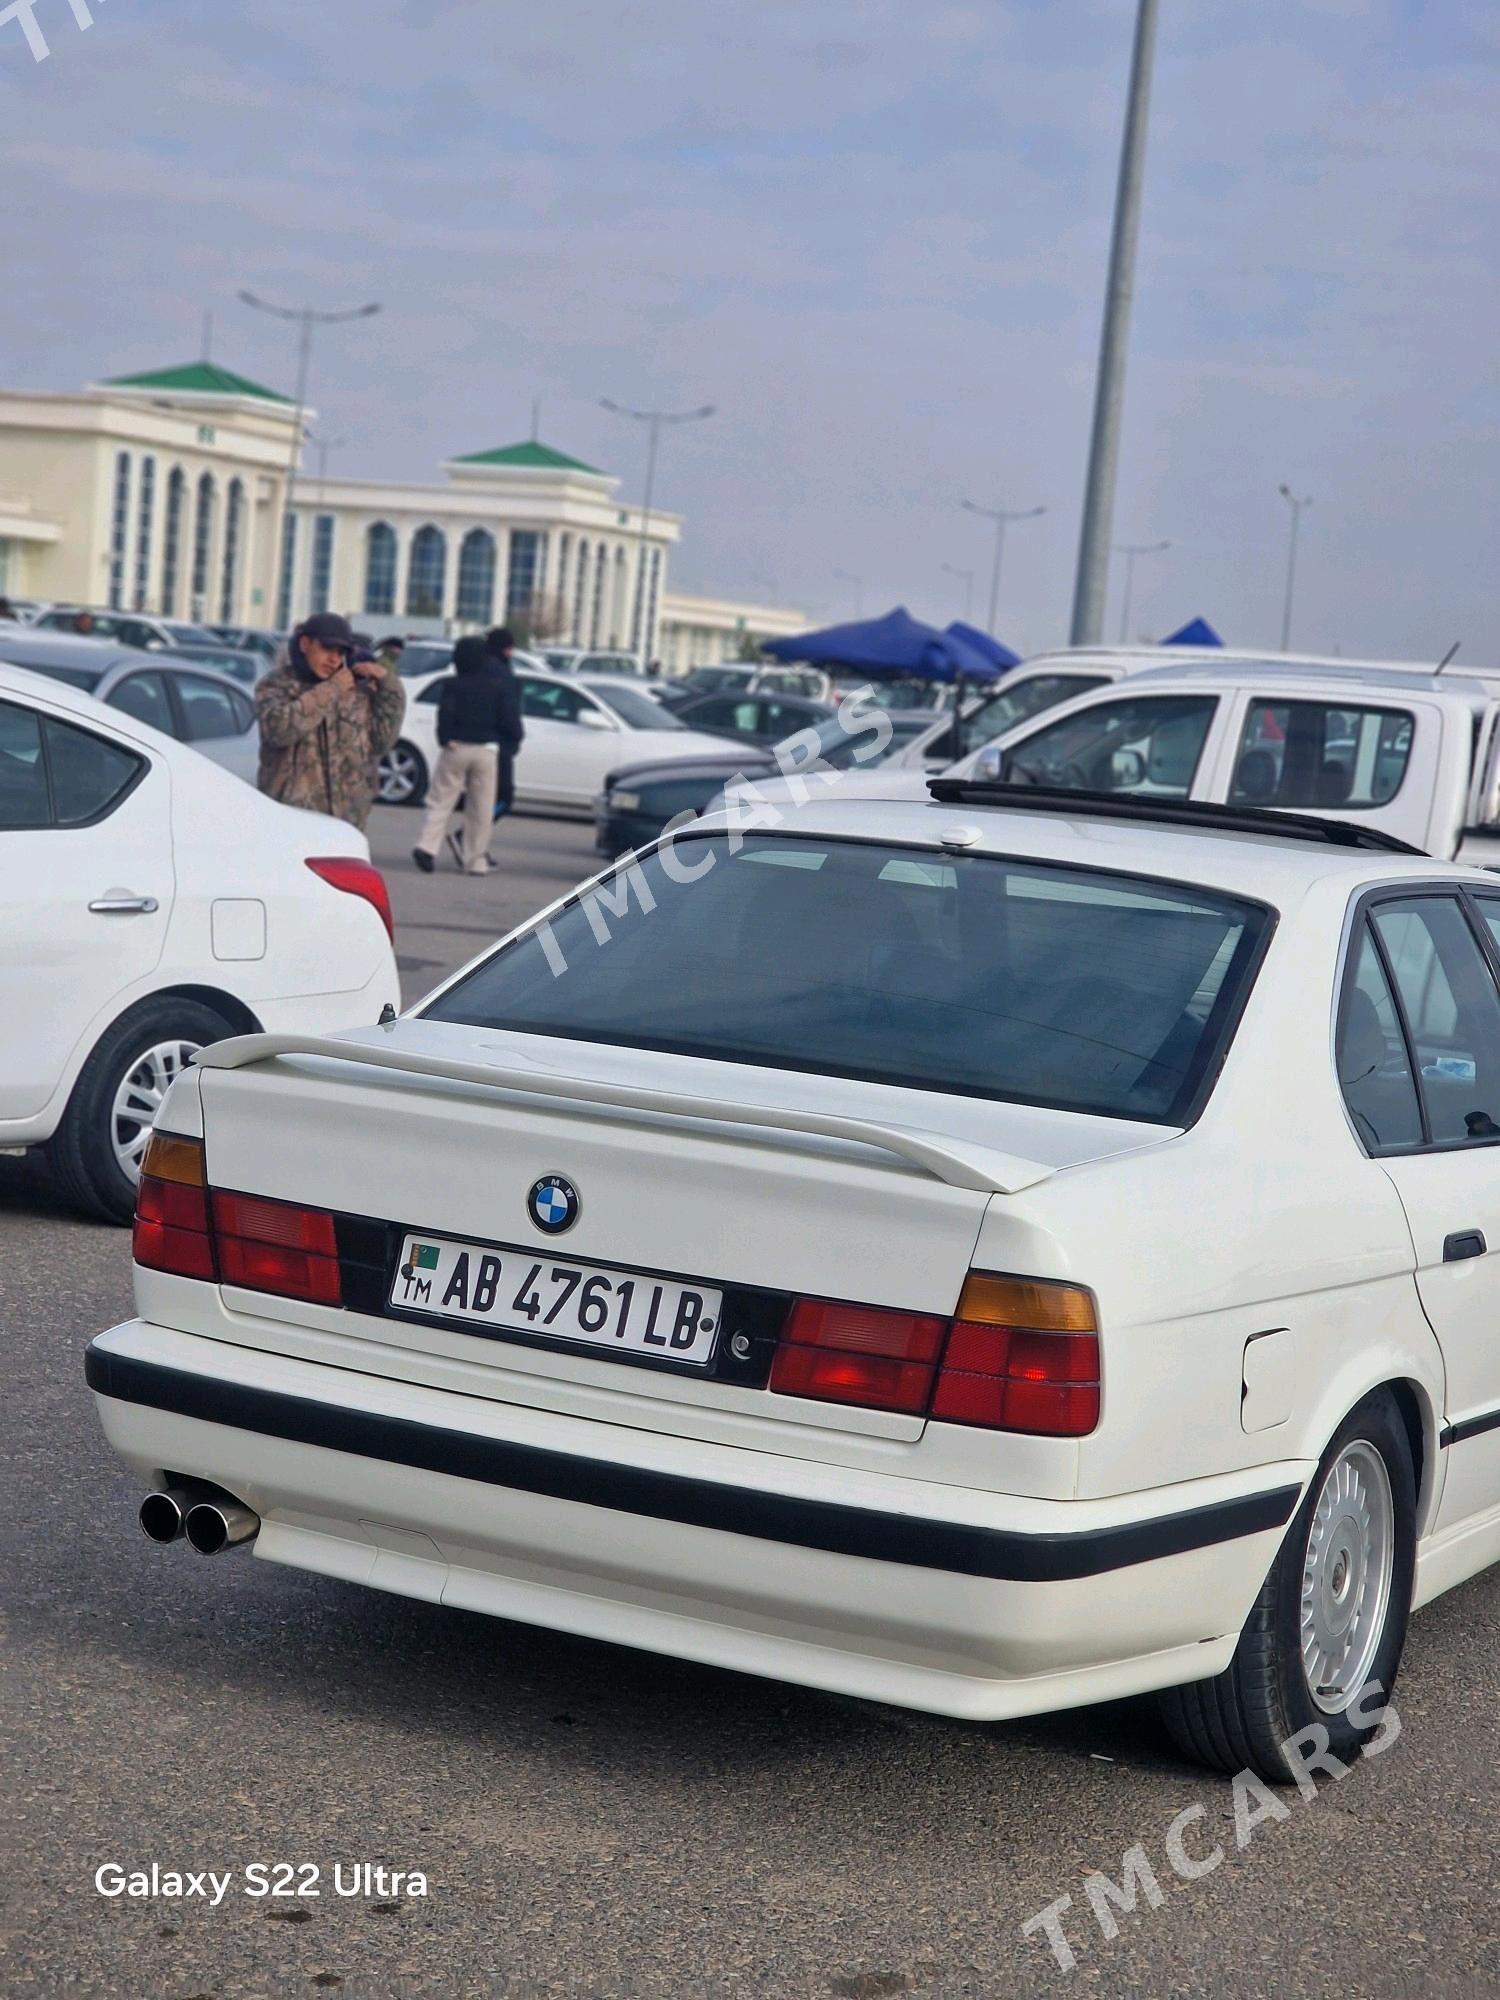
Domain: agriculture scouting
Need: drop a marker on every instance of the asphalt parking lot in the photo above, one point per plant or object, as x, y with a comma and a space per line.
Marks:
594, 1821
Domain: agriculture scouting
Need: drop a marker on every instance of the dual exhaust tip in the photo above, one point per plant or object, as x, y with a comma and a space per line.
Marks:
210, 1520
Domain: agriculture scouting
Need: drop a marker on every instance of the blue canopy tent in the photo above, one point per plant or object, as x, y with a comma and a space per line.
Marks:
896, 647
991, 649
1197, 632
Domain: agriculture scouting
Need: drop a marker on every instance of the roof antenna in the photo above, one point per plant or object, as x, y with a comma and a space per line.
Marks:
208, 336
1452, 650
536, 419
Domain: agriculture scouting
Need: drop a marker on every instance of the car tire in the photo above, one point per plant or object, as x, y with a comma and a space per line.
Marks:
403, 776
128, 1068
1350, 1554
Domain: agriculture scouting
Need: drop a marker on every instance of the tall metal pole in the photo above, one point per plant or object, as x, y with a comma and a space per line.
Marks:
1296, 506
640, 616
305, 319
1109, 393
1002, 517
1130, 550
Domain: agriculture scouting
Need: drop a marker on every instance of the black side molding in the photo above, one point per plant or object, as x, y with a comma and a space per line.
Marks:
992, 1553
1471, 1427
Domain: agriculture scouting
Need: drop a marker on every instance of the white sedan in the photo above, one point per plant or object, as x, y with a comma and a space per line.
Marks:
150, 903
575, 736
977, 1257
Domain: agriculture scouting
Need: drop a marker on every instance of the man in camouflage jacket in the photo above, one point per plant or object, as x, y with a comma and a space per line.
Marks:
326, 718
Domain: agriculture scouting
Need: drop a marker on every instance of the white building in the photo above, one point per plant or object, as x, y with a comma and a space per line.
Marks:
164, 492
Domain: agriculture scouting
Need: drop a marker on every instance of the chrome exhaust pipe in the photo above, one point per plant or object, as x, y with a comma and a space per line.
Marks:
163, 1512
219, 1523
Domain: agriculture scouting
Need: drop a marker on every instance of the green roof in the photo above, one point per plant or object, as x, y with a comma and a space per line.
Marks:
197, 378
538, 456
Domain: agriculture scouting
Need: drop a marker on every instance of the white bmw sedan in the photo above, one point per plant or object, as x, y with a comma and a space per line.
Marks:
151, 902
981, 1258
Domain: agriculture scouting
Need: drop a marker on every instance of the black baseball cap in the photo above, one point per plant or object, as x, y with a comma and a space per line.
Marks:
329, 630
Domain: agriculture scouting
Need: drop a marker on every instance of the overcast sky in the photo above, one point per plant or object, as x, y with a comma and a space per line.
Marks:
872, 233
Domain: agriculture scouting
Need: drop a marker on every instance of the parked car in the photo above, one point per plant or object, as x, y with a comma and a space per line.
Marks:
638, 800
152, 904
589, 660
936, 1252
573, 738
28, 609
753, 718
211, 712
208, 710
746, 678
240, 663
1413, 755
125, 628
251, 639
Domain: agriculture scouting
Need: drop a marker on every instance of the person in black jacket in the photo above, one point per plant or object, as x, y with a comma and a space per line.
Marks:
478, 711
502, 645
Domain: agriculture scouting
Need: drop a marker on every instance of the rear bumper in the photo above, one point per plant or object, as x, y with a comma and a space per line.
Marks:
872, 1585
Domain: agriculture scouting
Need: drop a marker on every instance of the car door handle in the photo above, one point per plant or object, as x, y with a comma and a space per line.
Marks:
124, 906
1464, 1243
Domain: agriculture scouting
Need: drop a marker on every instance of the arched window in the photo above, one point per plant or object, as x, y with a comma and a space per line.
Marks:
144, 510
234, 509
203, 538
528, 552
171, 541
289, 530
380, 570
424, 573
322, 562
476, 577
119, 529
596, 624
580, 593
618, 611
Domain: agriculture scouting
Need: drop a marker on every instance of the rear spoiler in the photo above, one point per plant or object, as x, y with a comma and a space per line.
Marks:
951, 1160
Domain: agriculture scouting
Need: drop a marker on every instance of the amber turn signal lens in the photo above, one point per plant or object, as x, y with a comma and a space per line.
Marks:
1035, 1303
169, 1158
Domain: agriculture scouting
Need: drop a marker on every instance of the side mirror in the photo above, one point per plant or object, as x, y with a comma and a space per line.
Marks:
989, 766
593, 718
1127, 769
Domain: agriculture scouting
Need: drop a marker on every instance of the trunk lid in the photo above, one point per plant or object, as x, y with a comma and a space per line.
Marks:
863, 1193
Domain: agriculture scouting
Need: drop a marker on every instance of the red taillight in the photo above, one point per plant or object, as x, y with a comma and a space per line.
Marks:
356, 878
1022, 1355
277, 1246
857, 1354
171, 1209
184, 1227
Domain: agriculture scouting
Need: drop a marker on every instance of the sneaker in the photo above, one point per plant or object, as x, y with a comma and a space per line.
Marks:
423, 860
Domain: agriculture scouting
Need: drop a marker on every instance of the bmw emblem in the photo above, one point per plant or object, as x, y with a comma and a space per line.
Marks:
553, 1204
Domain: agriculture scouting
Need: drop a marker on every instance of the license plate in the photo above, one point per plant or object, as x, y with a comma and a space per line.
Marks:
589, 1305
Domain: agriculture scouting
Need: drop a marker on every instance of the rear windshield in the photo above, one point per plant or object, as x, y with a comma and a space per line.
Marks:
975, 974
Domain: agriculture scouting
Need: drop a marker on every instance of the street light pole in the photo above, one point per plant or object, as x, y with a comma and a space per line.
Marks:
848, 576
1109, 392
305, 318
1296, 506
966, 577
653, 420
1002, 517
325, 445
1130, 550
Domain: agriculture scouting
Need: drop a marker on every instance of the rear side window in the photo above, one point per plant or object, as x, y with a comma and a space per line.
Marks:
52, 774
1082, 990
1149, 744
88, 776
1374, 1069
1313, 753
23, 775
1451, 1010
145, 697
208, 710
